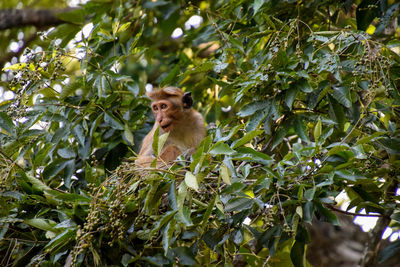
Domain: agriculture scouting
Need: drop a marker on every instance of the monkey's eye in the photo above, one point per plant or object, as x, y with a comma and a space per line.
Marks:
155, 108
163, 106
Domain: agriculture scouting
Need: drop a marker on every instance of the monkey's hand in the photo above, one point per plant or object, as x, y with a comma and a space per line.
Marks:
188, 153
144, 161
170, 153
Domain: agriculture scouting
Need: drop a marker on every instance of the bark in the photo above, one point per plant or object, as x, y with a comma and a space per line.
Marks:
41, 19
345, 245
11, 18
372, 249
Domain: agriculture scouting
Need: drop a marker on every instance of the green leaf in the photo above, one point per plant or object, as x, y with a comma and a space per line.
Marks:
395, 216
68, 172
231, 133
239, 204
182, 193
185, 256
126, 259
60, 240
149, 202
248, 153
309, 194
124, 27
152, 5
224, 173
191, 181
77, 16
168, 234
135, 41
255, 121
300, 128
212, 238
308, 212
297, 254
158, 259
43, 224
6, 123
65, 32
235, 43
252, 108
280, 134
359, 152
199, 155
369, 138
205, 67
185, 216
348, 175
128, 135
387, 18
161, 141
336, 111
156, 139
257, 4
69, 197
79, 134
237, 237
326, 215
171, 76
112, 121
290, 96
338, 148
220, 66
17, 67
66, 153
317, 130
162, 221
392, 145
304, 86
246, 138
342, 95
221, 148
207, 213
3, 230
54, 168
70, 88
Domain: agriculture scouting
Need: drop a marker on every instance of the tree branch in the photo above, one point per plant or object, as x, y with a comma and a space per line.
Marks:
11, 18
331, 207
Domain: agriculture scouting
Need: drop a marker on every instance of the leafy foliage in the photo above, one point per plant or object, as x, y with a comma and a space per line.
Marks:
312, 112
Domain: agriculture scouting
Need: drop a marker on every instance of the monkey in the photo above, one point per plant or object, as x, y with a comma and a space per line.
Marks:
174, 113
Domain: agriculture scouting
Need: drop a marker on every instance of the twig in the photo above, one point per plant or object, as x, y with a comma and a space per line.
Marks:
9, 159
331, 207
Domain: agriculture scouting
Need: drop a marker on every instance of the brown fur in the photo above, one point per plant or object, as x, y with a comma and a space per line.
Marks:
185, 126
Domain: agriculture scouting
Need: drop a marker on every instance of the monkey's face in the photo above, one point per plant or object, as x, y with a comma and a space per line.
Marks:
165, 114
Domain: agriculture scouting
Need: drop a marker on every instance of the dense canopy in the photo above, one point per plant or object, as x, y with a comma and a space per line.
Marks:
301, 100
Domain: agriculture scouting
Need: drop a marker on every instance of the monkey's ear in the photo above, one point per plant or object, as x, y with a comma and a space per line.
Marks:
187, 100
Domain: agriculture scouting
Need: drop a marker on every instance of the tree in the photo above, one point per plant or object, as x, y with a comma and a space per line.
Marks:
304, 108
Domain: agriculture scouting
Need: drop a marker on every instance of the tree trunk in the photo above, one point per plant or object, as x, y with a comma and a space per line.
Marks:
343, 246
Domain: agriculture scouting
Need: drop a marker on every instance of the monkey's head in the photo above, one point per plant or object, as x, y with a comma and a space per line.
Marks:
169, 106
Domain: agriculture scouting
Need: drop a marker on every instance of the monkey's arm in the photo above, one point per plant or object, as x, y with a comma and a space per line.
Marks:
146, 157
170, 153
146, 154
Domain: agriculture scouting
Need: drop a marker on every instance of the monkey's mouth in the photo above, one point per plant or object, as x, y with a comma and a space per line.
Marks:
165, 127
